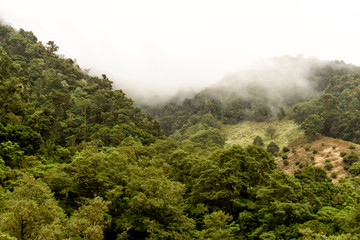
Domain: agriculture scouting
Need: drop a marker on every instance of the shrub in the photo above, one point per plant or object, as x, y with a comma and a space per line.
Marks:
351, 158
343, 153
346, 167
333, 147
322, 144
312, 158
258, 141
284, 156
327, 160
301, 165
328, 166
315, 151
293, 150
355, 169
334, 174
286, 162
352, 146
307, 148
272, 148
297, 163
285, 149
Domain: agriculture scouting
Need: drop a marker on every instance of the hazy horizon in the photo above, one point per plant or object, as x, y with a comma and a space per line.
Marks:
157, 48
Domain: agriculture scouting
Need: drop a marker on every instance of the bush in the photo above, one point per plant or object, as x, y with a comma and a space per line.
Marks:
328, 166
327, 160
272, 148
293, 150
285, 149
322, 144
297, 163
355, 169
258, 141
334, 174
343, 153
346, 167
333, 147
301, 165
307, 148
351, 158
352, 147
286, 162
315, 151
284, 156
312, 158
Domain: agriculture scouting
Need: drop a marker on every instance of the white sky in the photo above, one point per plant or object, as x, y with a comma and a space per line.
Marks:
160, 46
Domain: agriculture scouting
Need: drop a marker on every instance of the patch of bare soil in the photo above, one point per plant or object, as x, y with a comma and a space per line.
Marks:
317, 153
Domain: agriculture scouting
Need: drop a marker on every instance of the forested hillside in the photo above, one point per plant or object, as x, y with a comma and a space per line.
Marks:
79, 161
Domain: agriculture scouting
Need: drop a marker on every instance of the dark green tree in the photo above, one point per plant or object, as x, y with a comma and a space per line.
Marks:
272, 148
258, 141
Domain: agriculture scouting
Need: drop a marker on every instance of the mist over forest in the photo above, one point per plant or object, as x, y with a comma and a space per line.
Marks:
268, 152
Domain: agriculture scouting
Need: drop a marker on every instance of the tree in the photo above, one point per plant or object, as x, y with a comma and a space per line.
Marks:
258, 141
271, 131
149, 207
52, 47
89, 221
313, 124
29, 209
217, 226
281, 114
11, 154
355, 168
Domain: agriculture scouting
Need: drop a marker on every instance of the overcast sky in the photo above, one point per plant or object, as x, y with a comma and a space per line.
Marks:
160, 46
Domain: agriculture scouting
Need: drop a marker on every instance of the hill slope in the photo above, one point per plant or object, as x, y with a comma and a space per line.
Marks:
301, 154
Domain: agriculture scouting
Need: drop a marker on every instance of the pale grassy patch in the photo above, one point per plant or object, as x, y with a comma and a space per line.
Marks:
287, 133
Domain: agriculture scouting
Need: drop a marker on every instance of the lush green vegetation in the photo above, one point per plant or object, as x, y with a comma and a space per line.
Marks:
79, 161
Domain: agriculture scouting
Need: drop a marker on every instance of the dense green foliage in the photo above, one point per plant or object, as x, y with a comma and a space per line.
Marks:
79, 161
336, 112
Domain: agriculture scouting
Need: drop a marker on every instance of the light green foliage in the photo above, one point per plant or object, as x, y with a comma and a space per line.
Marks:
90, 220
355, 168
153, 207
11, 154
271, 131
201, 136
29, 209
225, 177
217, 226
313, 124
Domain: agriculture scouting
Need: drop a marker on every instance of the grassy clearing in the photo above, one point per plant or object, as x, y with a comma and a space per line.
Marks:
287, 133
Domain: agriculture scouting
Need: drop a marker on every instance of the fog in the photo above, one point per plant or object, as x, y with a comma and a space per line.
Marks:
280, 80
155, 49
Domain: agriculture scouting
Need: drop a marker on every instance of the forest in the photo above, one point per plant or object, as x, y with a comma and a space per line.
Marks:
80, 160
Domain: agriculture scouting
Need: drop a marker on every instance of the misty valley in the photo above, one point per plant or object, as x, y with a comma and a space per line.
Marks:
271, 152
